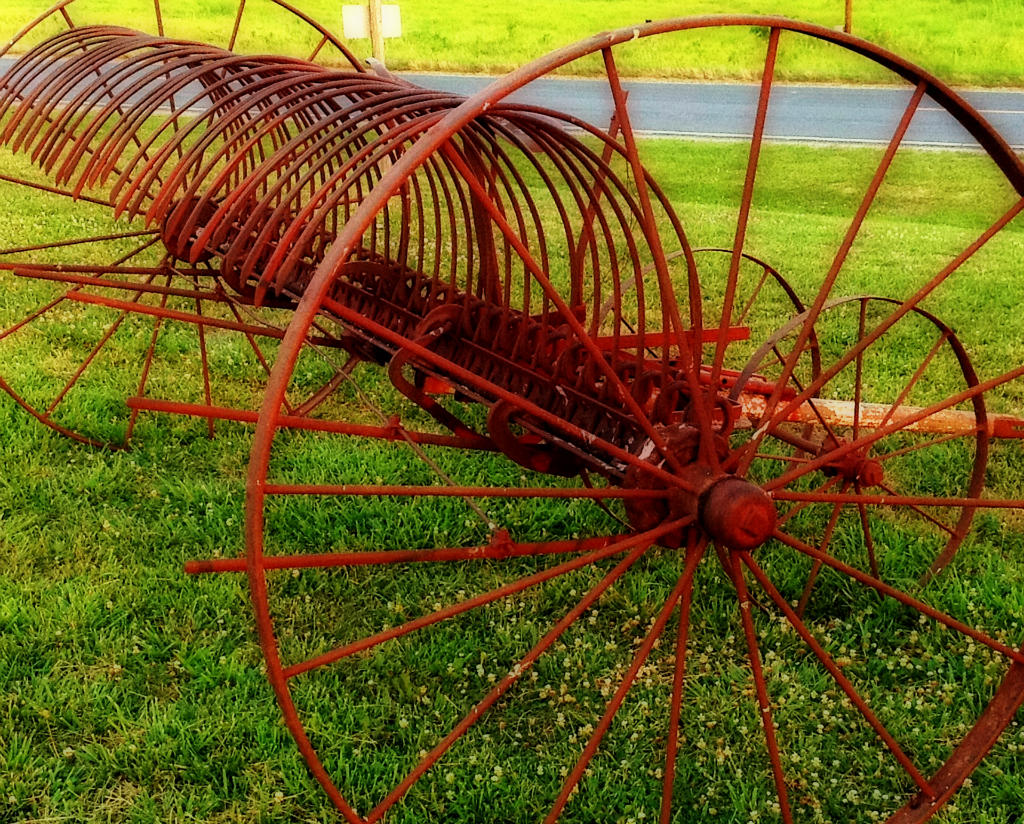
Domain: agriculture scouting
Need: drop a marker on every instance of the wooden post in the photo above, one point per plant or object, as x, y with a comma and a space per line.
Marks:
377, 29
848, 22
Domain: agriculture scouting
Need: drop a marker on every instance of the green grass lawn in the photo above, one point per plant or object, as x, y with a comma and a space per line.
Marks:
130, 692
970, 42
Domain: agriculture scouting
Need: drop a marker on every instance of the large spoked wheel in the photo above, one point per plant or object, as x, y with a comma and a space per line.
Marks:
126, 323
451, 633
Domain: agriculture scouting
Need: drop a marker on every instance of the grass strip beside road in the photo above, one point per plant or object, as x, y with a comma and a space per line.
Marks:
973, 42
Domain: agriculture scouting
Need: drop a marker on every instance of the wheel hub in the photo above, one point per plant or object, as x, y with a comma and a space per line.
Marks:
736, 513
730, 510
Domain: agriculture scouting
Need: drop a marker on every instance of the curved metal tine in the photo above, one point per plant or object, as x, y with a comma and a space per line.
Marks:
34, 91
28, 27
146, 83
67, 106
346, 315
299, 227
119, 107
59, 123
776, 414
589, 178
564, 310
682, 588
129, 191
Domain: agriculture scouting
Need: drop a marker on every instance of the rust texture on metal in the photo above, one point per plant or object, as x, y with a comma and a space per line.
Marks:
523, 263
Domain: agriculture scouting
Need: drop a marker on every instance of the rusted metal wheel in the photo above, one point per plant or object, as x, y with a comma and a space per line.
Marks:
120, 315
894, 465
786, 486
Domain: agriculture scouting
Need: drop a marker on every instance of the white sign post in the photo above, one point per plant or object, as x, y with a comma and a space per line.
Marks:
375, 21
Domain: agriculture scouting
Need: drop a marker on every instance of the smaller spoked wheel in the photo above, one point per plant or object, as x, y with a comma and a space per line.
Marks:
100, 328
837, 459
103, 316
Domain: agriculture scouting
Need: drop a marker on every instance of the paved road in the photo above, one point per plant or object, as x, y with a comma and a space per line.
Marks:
832, 114
842, 114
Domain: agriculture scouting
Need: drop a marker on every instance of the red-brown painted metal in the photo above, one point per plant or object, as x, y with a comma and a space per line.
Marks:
526, 263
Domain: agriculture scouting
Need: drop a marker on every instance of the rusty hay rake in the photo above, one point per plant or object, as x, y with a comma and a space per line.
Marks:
433, 283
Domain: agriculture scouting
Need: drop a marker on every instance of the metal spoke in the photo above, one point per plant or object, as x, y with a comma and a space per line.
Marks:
858, 370
146, 365
523, 665
42, 247
869, 540
642, 540
666, 292
760, 687
902, 597
500, 548
699, 545
836, 673
405, 491
883, 431
825, 541
775, 415
767, 77
905, 391
107, 335
684, 585
204, 361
